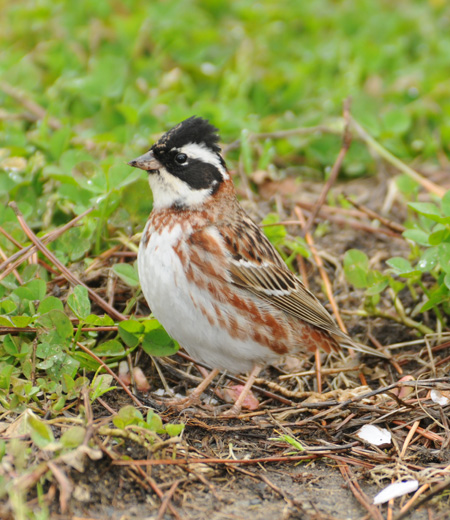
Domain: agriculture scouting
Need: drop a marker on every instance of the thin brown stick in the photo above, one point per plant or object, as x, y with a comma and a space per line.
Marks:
346, 142
182, 462
10, 238
106, 367
340, 220
49, 237
166, 499
65, 485
358, 493
395, 161
318, 370
18, 330
390, 224
410, 435
303, 272
14, 271
70, 277
322, 272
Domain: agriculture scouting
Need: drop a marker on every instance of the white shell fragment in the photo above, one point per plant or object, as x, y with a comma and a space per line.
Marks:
374, 435
398, 489
439, 397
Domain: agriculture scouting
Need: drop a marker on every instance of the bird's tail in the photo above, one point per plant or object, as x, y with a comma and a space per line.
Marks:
360, 347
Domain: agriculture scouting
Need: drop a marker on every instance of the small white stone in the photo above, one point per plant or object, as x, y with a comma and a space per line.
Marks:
374, 435
439, 398
398, 489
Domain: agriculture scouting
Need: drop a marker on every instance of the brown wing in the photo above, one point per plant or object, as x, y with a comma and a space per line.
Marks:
256, 266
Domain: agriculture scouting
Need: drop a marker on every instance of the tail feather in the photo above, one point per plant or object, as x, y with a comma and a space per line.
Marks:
349, 343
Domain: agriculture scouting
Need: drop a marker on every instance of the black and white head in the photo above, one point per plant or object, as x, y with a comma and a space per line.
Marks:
185, 166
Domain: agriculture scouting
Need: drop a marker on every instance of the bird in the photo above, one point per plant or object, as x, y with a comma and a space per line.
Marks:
209, 274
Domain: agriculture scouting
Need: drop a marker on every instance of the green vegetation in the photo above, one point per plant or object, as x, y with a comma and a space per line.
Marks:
86, 86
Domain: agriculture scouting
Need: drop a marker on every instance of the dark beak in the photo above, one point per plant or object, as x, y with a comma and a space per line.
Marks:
146, 162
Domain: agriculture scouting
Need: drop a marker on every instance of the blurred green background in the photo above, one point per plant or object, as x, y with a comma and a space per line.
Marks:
115, 74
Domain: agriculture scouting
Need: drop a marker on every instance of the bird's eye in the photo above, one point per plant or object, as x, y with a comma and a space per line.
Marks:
180, 158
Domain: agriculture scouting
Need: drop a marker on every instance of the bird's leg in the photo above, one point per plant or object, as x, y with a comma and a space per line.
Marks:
195, 394
235, 410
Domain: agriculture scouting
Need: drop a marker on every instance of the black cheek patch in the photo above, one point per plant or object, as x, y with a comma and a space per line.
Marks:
198, 175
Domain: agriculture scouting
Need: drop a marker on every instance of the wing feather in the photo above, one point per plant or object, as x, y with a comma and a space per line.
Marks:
254, 265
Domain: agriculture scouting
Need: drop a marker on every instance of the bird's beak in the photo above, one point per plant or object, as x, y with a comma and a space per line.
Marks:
146, 162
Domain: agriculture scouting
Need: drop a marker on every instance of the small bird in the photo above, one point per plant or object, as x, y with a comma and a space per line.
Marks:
208, 273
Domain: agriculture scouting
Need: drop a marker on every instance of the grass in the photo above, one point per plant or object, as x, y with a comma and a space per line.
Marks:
86, 86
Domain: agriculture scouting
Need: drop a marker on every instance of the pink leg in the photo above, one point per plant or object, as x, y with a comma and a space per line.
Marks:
195, 394
235, 410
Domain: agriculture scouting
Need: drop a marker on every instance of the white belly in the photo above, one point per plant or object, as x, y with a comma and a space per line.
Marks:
177, 305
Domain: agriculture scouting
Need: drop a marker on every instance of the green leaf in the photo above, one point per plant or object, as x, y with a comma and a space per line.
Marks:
99, 321
275, 233
418, 236
401, 266
154, 422
110, 348
436, 298
6, 322
429, 210
445, 204
22, 321
55, 362
440, 234
428, 260
397, 121
58, 321
174, 429
7, 306
127, 415
73, 437
79, 302
59, 141
356, 268
86, 361
447, 280
131, 332
33, 290
68, 383
101, 385
5, 376
407, 185
49, 304
444, 256
10, 346
127, 273
293, 442
41, 432
159, 343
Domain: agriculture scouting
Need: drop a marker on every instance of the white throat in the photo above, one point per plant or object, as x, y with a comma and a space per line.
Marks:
169, 191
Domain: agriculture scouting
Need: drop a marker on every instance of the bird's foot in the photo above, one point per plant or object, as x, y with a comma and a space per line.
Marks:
232, 413
181, 403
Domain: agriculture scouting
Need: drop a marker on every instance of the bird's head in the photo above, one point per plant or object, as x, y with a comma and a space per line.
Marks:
185, 166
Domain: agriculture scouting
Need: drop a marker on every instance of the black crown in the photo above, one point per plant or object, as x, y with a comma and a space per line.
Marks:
192, 130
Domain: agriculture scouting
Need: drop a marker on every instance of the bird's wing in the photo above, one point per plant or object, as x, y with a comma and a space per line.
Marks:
255, 266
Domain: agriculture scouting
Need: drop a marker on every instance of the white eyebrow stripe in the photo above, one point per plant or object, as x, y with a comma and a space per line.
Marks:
206, 155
